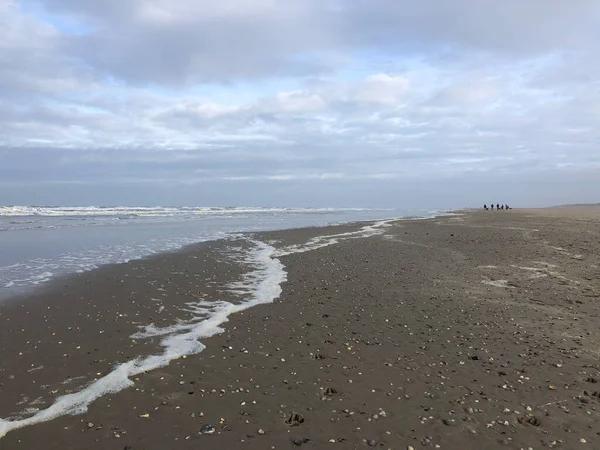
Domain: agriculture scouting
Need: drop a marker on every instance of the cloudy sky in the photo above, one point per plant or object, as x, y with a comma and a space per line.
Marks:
299, 102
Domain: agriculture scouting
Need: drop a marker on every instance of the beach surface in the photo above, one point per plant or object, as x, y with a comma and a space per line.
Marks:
477, 330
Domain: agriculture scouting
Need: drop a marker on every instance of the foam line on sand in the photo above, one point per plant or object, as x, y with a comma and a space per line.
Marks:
260, 285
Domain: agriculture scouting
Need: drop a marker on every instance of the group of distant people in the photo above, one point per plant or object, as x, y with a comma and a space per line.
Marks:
498, 207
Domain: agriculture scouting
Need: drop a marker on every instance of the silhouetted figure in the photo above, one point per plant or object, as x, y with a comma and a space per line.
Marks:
485, 207
502, 207
507, 207
492, 206
498, 206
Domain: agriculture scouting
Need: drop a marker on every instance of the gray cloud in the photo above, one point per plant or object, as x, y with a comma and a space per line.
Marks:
187, 40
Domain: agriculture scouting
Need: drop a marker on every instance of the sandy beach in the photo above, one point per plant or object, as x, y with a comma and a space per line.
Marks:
477, 330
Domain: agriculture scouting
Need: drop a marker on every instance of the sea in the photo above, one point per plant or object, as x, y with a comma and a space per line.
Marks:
38, 243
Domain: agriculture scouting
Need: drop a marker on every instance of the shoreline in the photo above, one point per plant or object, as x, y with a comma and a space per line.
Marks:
8, 294
51, 298
347, 319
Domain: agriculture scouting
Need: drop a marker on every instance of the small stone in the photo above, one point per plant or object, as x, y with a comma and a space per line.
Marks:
332, 441
372, 443
297, 442
410, 447
552, 387
90, 425
261, 431
144, 416
583, 441
207, 429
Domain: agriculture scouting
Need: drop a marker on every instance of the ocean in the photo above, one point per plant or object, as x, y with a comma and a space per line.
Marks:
38, 243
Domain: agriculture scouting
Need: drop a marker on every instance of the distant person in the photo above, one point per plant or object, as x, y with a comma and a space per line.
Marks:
485, 207
492, 206
507, 207
502, 207
498, 206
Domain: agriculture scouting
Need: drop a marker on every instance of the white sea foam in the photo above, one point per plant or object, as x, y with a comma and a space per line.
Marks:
54, 211
326, 240
260, 285
33, 280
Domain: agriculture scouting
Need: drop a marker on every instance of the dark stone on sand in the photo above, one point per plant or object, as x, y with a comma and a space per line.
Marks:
446, 422
207, 429
297, 442
591, 380
372, 443
475, 358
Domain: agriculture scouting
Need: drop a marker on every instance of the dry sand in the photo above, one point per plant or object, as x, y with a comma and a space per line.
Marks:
467, 332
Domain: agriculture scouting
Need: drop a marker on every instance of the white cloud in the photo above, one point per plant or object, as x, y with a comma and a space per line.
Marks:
380, 88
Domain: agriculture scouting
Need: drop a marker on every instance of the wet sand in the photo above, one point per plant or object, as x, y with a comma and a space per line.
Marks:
467, 332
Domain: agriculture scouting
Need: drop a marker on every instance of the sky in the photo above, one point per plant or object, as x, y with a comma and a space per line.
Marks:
355, 103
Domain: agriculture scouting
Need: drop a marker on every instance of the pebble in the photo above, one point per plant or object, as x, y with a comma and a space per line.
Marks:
371, 443
261, 431
582, 440
207, 429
